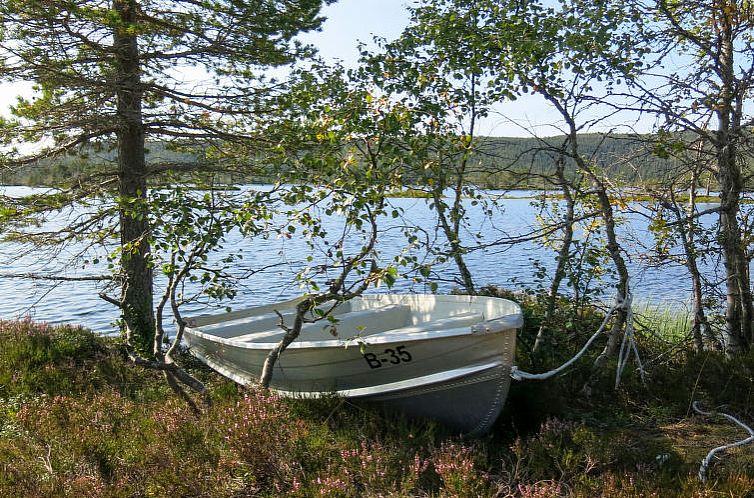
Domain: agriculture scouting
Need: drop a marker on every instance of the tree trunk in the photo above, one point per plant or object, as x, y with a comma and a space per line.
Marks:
700, 329
563, 255
738, 316
738, 296
137, 277
451, 230
613, 249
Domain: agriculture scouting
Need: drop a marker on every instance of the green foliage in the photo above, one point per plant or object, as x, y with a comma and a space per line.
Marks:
104, 84
76, 99
87, 442
338, 152
51, 361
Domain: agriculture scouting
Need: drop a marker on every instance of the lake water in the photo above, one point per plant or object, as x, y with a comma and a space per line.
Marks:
509, 266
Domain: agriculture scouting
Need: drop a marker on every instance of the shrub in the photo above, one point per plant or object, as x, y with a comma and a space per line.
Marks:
60, 360
92, 425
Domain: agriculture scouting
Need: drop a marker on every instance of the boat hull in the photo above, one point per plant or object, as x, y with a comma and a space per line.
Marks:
458, 375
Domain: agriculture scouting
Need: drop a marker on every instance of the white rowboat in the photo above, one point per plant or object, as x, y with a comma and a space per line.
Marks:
443, 357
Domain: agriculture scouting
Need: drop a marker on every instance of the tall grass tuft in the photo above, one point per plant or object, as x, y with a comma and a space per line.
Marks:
667, 323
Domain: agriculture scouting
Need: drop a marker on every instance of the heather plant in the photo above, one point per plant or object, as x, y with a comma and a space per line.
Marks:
459, 474
42, 359
262, 442
576, 453
135, 448
38, 358
101, 439
371, 469
541, 489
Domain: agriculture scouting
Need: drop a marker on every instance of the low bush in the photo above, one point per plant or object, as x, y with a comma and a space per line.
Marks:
76, 419
37, 359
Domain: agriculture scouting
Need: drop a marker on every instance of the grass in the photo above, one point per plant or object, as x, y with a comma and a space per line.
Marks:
664, 322
78, 420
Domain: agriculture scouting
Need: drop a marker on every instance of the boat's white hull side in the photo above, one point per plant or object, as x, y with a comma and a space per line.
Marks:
459, 376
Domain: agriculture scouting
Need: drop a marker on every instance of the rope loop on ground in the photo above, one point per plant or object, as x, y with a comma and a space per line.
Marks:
708, 459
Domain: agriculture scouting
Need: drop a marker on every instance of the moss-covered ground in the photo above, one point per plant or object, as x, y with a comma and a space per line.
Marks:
77, 419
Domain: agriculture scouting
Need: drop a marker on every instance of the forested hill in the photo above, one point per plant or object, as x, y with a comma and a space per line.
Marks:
499, 161
88, 159
507, 161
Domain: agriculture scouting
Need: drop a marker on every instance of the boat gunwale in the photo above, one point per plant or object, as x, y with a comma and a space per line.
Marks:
495, 325
378, 338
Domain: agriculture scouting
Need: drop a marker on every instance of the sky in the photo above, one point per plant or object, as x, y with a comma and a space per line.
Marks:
348, 23
352, 21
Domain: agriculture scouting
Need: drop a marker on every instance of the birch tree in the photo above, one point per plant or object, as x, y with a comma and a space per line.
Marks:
437, 70
707, 98
503, 50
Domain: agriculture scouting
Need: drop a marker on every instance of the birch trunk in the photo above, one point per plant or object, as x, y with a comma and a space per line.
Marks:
738, 316
563, 255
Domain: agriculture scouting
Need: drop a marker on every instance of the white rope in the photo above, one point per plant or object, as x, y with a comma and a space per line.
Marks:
517, 374
625, 350
628, 344
708, 459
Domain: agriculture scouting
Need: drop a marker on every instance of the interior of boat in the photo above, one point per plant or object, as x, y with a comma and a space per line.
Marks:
367, 316
345, 324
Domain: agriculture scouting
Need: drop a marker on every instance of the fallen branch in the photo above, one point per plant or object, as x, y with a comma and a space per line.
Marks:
173, 374
57, 278
708, 459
